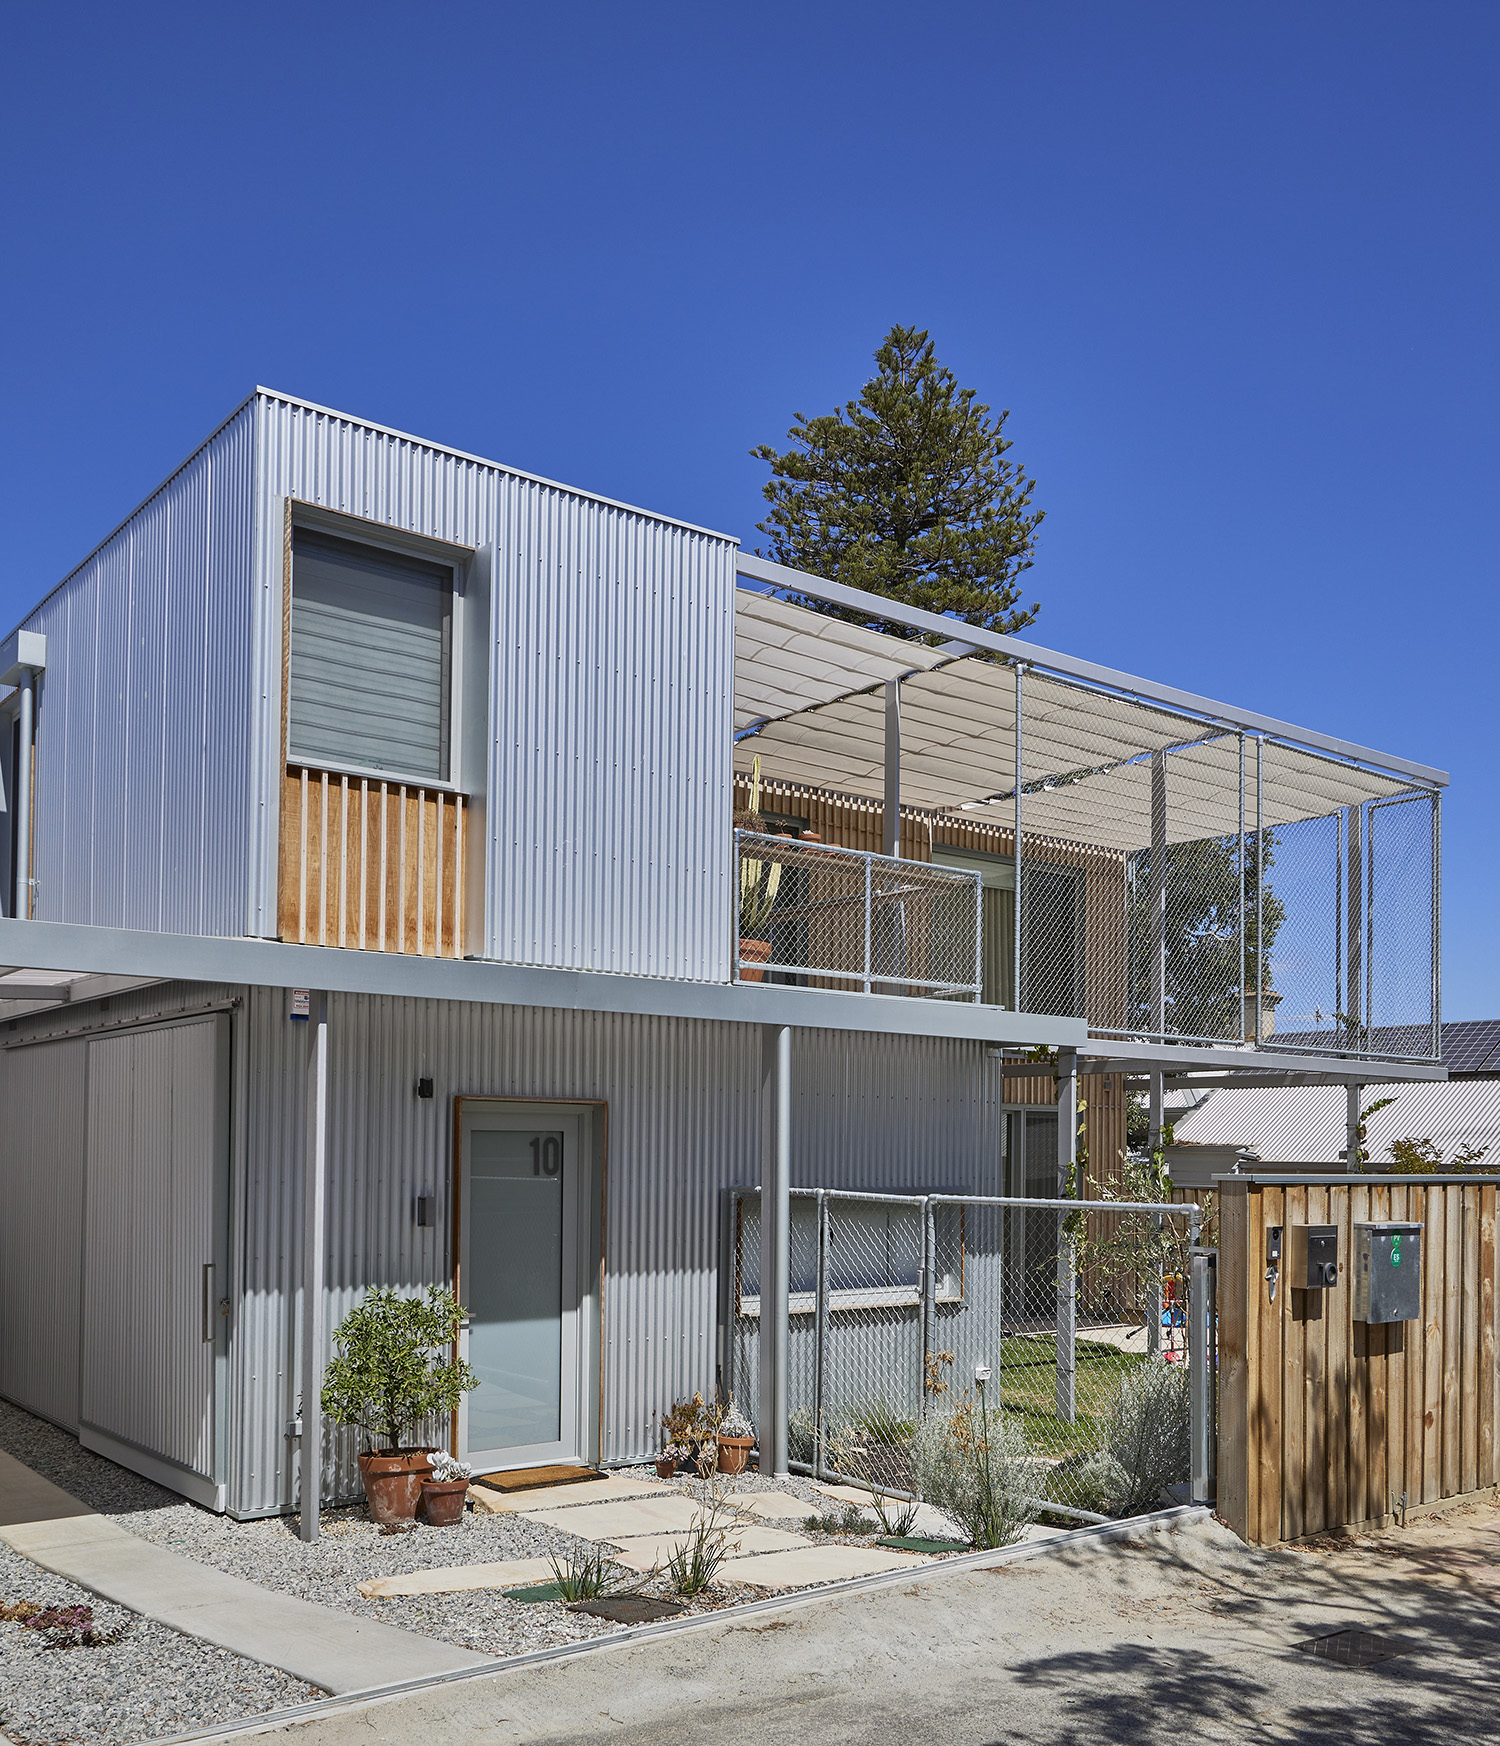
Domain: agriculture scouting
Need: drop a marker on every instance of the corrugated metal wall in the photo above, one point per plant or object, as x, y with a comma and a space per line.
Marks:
608, 782
683, 1124
42, 1138
144, 712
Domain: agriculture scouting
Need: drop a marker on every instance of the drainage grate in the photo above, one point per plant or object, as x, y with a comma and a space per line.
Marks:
1352, 1648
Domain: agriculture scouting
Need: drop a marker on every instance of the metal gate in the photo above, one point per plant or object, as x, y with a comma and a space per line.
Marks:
897, 1303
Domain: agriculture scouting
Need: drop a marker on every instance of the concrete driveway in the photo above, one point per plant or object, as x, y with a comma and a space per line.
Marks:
1181, 1636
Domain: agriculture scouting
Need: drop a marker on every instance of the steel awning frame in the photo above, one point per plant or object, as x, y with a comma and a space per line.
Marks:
1207, 715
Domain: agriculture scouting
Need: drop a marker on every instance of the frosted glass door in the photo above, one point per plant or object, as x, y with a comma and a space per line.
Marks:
520, 1288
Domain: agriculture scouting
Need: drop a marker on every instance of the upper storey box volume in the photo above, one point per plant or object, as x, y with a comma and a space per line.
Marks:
335, 685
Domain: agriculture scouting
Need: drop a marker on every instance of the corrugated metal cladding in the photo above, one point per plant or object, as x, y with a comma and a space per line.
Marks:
608, 791
44, 1097
144, 716
683, 1124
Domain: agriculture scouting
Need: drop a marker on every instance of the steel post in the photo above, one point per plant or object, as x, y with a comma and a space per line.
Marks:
1244, 1003
1159, 892
1067, 1295
314, 1246
891, 815
820, 1337
1437, 926
929, 1300
775, 1244
1352, 1160
1015, 970
1202, 1368
1260, 888
1155, 1139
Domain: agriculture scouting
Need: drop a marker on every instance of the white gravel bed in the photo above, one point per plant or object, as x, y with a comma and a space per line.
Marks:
151, 1683
350, 1549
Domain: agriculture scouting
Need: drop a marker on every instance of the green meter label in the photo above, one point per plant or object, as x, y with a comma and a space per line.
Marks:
1395, 1251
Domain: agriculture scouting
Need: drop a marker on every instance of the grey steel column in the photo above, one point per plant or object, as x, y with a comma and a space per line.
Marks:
1351, 1129
775, 1244
891, 816
1159, 892
314, 1242
1015, 971
1243, 932
1354, 928
1067, 1305
1260, 888
929, 1300
820, 1337
1155, 1137
1437, 925
1202, 1339
22, 826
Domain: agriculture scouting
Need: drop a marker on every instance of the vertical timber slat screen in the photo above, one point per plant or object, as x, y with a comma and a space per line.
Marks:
1327, 1422
371, 865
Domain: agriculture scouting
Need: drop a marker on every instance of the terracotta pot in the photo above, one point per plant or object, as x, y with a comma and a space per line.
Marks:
734, 1453
666, 1466
442, 1503
758, 950
393, 1482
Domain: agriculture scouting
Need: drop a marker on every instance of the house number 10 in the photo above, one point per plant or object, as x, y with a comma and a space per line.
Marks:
546, 1155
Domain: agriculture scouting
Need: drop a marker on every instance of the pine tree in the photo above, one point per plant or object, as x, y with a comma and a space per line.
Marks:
907, 493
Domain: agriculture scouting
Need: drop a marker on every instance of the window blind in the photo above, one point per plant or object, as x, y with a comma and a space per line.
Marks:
370, 659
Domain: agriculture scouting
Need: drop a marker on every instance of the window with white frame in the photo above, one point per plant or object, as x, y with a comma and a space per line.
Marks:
371, 663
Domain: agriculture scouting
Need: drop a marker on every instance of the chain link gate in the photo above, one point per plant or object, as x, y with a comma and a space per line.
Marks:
897, 1302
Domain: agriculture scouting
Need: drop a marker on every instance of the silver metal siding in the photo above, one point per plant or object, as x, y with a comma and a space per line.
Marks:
608, 786
144, 716
42, 1140
683, 1124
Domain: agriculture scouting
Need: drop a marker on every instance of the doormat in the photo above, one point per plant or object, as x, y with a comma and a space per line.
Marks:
911, 1543
536, 1591
629, 1609
1352, 1648
529, 1478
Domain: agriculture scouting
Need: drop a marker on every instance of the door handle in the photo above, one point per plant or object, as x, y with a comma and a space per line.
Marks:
208, 1302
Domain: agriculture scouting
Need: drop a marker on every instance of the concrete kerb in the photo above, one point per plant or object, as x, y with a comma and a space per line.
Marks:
1102, 1534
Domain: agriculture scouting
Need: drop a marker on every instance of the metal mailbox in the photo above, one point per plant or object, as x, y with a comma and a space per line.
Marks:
1312, 1252
1387, 1273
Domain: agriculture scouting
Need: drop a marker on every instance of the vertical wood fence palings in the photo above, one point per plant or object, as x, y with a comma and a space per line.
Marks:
371, 865
1326, 1422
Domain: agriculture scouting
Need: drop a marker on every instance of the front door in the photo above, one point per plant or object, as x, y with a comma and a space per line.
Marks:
523, 1281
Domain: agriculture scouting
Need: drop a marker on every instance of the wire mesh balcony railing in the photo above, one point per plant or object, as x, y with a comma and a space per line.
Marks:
825, 917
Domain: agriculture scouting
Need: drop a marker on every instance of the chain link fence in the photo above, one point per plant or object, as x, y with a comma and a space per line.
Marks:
825, 917
899, 1303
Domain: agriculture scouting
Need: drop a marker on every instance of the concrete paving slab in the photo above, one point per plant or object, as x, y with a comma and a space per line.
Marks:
459, 1578
649, 1549
816, 1564
329, 1649
613, 1486
609, 1521
775, 1506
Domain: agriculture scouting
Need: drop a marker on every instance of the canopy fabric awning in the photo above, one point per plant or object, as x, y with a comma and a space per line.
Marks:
808, 702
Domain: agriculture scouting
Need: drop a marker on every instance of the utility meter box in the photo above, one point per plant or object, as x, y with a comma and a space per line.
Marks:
1312, 1257
1387, 1273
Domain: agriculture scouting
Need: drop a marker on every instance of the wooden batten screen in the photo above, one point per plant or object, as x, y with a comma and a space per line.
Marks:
371, 865
1325, 1422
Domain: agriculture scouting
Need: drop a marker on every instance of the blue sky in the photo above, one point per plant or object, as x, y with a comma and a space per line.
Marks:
1233, 270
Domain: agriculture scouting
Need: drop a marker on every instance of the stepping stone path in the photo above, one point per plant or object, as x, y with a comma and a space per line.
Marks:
830, 1563
458, 1578
612, 1486
646, 1550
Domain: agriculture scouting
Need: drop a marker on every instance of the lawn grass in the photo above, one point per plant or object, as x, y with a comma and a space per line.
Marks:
1026, 1385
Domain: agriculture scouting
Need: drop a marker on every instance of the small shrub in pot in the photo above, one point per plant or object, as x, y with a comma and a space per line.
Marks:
443, 1494
736, 1438
393, 1367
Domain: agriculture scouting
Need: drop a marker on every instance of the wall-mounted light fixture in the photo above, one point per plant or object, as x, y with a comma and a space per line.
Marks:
424, 1085
424, 1211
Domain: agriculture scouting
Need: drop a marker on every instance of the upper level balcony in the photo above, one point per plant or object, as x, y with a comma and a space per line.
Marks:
1047, 836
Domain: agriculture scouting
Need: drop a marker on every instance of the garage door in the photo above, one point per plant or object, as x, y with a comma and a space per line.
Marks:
154, 1253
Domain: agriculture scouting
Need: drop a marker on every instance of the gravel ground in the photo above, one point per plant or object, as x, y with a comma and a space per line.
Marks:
350, 1549
150, 1683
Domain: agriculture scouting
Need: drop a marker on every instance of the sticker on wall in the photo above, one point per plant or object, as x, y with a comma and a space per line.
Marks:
299, 1003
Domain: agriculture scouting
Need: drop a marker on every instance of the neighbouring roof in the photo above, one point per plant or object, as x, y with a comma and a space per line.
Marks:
1306, 1124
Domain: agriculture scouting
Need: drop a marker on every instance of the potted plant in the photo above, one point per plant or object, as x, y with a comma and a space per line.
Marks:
675, 1455
444, 1491
690, 1428
393, 1366
736, 1439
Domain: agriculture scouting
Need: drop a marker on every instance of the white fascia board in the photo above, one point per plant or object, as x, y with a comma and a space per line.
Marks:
1070, 666
81, 949
22, 652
